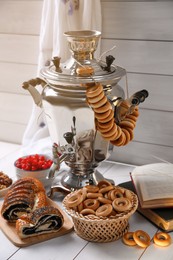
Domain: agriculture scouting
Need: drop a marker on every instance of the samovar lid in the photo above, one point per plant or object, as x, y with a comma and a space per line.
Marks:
82, 45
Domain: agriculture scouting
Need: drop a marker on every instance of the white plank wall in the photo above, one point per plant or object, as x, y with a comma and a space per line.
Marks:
143, 35
19, 42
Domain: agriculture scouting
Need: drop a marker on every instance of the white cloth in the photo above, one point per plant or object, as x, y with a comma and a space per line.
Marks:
58, 16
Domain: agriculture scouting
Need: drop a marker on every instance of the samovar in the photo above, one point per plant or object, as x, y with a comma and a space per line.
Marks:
70, 118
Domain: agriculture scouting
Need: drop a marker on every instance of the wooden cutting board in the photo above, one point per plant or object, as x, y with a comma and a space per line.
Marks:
10, 231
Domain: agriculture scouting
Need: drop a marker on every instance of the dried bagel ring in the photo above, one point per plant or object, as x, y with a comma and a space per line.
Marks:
141, 238
104, 127
83, 192
125, 124
132, 117
127, 134
106, 189
99, 103
103, 183
121, 204
103, 115
103, 108
130, 131
131, 121
120, 141
104, 210
97, 98
128, 239
92, 188
74, 200
91, 204
118, 134
87, 212
94, 195
85, 71
80, 207
104, 200
108, 118
116, 193
111, 132
135, 112
93, 90
128, 194
162, 239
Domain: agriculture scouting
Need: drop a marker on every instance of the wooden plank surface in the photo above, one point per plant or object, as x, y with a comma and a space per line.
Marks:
20, 17
14, 74
138, 20
17, 108
154, 127
11, 132
150, 57
19, 48
9, 230
158, 86
142, 32
139, 153
7, 148
143, 37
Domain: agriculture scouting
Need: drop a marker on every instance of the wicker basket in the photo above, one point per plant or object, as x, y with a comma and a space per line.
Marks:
101, 229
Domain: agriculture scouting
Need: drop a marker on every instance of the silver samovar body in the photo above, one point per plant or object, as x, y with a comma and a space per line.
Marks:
71, 121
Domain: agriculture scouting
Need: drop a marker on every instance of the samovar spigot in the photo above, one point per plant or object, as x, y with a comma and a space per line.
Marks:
60, 154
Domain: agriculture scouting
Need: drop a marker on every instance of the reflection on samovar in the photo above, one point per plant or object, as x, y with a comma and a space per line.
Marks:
85, 109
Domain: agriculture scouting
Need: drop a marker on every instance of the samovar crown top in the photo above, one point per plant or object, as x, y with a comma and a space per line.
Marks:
82, 45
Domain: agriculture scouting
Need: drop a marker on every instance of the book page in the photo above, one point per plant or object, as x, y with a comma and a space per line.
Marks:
155, 188
154, 181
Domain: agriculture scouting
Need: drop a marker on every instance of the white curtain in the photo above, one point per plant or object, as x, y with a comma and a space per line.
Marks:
58, 16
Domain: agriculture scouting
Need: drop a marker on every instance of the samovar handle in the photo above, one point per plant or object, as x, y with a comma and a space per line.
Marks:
30, 86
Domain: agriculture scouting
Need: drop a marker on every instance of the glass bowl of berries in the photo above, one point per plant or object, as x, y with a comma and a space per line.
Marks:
34, 165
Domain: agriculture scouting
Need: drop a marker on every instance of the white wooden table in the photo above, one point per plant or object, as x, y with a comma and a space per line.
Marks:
70, 246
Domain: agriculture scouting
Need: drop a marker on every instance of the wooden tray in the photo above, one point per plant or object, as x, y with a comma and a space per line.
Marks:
10, 231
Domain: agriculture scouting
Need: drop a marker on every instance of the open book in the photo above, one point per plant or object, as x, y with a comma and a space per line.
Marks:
154, 185
161, 217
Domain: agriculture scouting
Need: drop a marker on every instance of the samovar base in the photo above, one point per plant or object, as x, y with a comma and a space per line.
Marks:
70, 182
73, 181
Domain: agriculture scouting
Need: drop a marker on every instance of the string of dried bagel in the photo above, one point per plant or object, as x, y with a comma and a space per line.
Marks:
119, 134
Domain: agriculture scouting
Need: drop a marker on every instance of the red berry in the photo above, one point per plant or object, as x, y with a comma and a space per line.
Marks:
34, 168
33, 162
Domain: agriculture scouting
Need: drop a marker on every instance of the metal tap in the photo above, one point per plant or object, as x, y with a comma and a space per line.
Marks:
131, 102
60, 154
65, 152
